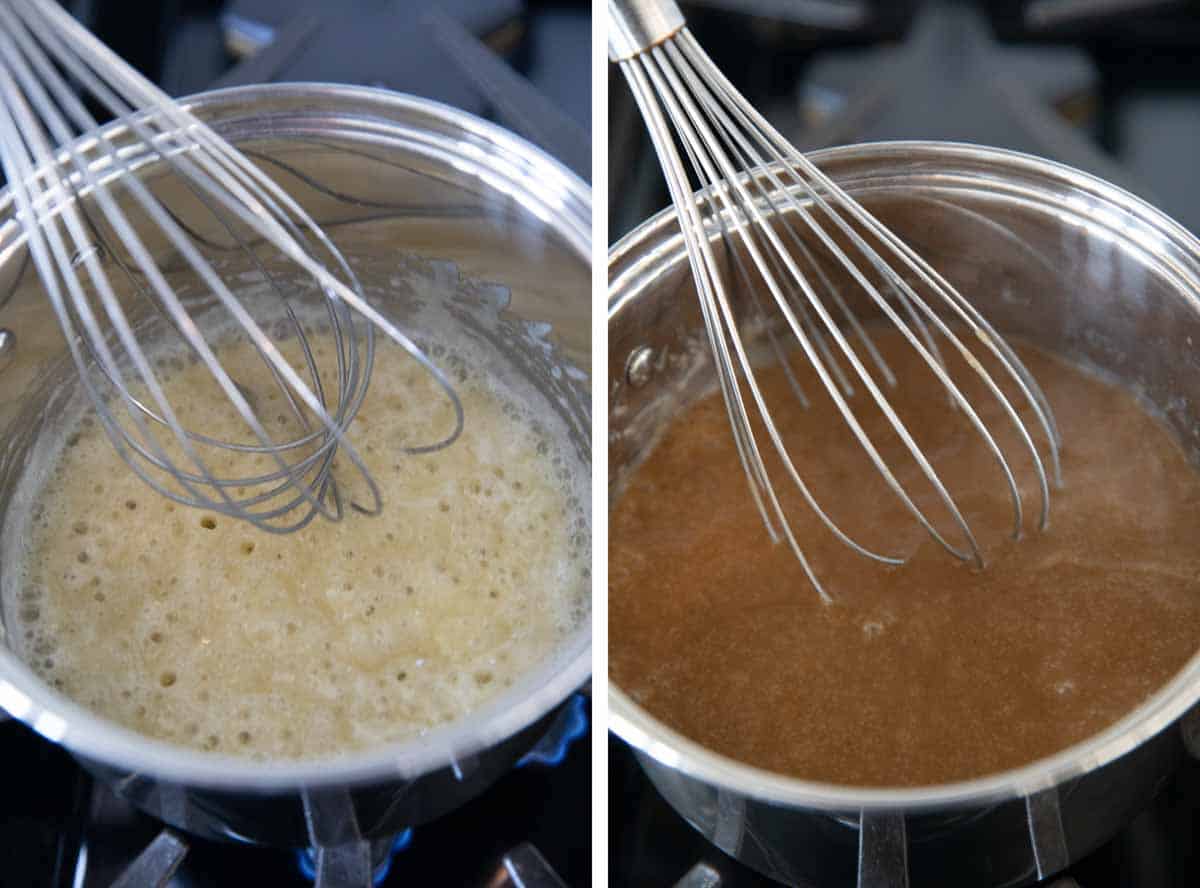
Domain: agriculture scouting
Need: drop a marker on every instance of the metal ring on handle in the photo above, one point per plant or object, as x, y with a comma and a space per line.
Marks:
635, 26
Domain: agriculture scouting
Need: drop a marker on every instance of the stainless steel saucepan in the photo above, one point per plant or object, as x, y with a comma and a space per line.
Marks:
1050, 255
427, 203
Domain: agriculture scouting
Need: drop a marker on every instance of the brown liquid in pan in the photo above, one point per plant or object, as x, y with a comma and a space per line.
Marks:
929, 672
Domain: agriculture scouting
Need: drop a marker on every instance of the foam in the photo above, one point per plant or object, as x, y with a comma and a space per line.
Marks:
197, 629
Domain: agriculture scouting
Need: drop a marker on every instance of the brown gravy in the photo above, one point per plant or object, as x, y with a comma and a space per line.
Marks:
933, 671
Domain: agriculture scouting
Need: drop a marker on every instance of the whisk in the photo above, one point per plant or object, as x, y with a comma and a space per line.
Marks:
74, 206
760, 195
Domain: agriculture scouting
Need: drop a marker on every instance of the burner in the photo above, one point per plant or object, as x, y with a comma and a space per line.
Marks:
306, 859
570, 725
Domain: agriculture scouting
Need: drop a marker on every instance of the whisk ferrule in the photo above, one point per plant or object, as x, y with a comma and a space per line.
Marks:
637, 25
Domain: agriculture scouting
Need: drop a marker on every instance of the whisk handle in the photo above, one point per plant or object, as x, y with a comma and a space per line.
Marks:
635, 26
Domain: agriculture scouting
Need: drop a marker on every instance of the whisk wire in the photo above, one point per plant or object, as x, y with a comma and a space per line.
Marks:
265, 219
766, 203
171, 305
726, 179
744, 362
760, 164
794, 161
705, 272
158, 458
16, 161
37, 41
720, 307
62, 133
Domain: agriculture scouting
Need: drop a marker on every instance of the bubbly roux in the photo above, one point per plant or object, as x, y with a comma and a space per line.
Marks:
928, 672
204, 631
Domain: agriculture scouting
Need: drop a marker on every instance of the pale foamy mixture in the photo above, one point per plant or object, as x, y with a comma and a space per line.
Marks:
201, 630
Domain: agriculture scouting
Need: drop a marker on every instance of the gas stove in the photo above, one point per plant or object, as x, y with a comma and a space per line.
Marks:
532, 829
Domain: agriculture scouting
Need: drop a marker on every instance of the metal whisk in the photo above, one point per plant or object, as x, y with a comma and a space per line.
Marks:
74, 204
759, 195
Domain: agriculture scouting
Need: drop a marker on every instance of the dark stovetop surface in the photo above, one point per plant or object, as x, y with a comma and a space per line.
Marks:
50, 810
